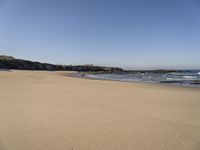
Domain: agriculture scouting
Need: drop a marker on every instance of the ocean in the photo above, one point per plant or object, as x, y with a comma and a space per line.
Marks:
189, 78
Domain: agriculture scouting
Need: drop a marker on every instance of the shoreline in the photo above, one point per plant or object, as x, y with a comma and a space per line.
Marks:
75, 74
78, 75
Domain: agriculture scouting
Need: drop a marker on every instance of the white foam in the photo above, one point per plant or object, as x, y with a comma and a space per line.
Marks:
189, 77
175, 79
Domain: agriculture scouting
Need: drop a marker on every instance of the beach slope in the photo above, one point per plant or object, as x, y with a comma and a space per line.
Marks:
51, 111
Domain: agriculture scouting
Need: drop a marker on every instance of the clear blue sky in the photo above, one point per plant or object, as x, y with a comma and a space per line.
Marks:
137, 34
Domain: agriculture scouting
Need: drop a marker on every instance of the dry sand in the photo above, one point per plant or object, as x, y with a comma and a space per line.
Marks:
49, 111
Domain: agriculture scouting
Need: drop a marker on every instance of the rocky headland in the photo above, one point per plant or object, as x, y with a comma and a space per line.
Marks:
9, 62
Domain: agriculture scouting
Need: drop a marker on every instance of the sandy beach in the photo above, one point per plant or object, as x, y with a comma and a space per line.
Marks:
51, 111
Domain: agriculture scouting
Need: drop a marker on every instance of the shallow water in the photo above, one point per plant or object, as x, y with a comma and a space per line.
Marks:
183, 78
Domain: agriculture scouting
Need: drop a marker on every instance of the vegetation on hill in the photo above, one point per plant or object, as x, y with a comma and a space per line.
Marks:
9, 62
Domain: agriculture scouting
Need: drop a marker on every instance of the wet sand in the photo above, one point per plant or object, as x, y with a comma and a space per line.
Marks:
51, 111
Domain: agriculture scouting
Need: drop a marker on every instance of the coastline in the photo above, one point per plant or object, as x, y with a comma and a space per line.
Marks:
80, 75
50, 110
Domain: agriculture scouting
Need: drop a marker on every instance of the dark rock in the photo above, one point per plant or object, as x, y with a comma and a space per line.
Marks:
2, 66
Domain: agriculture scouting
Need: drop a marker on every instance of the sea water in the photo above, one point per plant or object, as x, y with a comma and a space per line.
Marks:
183, 78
